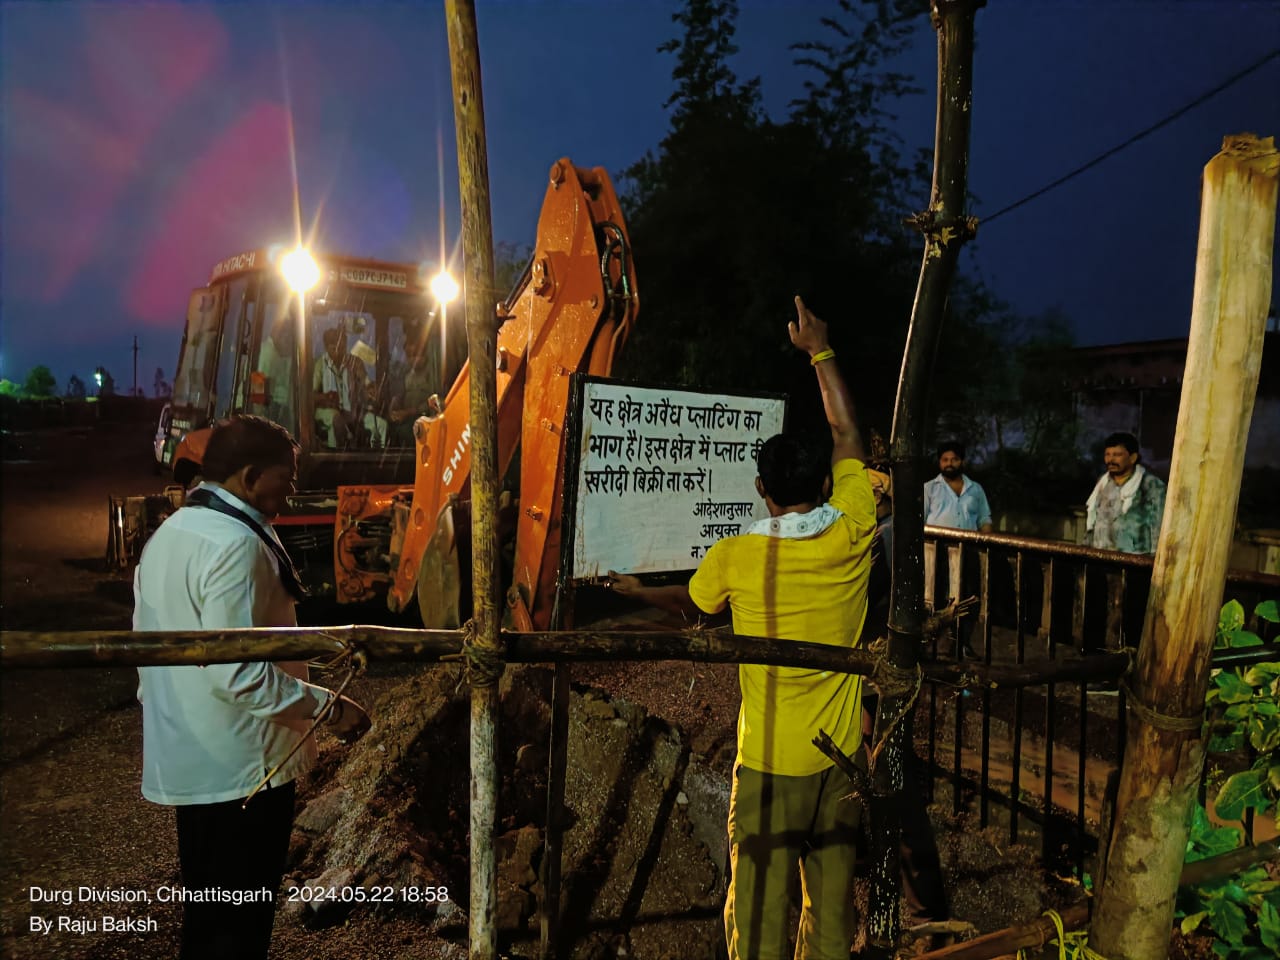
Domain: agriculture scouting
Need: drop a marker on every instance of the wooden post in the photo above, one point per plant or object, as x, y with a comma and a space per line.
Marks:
1164, 751
945, 229
482, 329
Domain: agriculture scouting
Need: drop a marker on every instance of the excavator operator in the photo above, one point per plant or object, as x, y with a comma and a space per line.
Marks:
338, 381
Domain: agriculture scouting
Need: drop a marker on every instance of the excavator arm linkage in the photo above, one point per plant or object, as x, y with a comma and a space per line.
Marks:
572, 313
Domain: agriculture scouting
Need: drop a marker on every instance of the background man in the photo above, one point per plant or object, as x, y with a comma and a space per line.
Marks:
413, 386
801, 574
1127, 504
338, 382
212, 733
951, 499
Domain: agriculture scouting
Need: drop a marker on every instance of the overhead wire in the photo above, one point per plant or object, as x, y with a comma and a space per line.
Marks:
1164, 121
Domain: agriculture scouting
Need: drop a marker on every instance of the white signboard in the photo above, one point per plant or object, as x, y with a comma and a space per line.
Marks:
663, 474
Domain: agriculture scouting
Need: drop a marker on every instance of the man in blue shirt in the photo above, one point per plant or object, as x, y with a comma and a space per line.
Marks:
953, 500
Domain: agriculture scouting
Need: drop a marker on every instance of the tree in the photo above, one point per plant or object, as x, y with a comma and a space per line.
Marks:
848, 100
704, 80
999, 385
40, 382
75, 388
106, 383
161, 385
736, 213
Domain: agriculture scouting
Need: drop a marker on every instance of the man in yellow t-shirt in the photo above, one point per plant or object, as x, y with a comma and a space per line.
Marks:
801, 574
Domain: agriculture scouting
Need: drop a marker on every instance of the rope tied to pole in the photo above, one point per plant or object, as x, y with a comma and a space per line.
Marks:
1071, 946
1161, 721
890, 680
484, 664
893, 682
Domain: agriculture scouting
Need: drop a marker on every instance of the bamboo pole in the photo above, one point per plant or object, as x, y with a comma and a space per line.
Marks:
484, 659
945, 229
1164, 751
121, 648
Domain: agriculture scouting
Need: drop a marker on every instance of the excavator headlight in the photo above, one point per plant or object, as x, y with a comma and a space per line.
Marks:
444, 288
300, 270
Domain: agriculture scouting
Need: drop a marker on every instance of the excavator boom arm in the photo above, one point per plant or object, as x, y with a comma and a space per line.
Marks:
572, 314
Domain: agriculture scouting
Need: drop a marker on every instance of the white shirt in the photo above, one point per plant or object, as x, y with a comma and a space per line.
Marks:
211, 733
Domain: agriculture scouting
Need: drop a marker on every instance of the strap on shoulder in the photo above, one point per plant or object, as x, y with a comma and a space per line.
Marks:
288, 572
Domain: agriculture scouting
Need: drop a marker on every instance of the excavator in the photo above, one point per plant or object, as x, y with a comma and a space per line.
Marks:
351, 355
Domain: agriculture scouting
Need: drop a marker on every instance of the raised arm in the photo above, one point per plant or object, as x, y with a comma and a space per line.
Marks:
809, 334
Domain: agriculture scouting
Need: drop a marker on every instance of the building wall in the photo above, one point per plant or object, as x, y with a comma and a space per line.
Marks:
1138, 387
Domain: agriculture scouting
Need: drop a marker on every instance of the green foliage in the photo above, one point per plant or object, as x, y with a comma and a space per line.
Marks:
1231, 630
40, 382
9, 389
1242, 910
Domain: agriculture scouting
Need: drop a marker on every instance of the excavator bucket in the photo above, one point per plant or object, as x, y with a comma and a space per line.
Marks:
440, 575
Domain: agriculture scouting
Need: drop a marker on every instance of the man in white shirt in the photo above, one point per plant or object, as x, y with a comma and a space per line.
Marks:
337, 383
212, 734
1126, 506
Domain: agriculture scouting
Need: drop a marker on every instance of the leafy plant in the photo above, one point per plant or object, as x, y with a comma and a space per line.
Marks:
1244, 705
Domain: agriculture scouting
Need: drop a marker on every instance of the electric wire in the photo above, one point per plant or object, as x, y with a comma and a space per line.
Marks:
1208, 94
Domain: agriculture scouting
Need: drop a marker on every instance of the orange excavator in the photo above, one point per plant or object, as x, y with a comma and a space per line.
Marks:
571, 312
355, 349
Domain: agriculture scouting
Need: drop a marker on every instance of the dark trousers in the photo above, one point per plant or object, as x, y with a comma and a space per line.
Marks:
223, 848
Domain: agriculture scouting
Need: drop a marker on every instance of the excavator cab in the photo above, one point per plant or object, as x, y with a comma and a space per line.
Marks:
357, 360
345, 357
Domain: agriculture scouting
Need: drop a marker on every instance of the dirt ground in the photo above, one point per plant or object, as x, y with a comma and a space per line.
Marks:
71, 815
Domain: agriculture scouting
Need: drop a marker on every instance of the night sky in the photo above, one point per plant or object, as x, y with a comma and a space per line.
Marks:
143, 143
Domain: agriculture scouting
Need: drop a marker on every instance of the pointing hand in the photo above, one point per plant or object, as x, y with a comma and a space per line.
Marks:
807, 331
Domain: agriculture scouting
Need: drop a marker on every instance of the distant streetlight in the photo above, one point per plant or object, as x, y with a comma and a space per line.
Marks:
445, 289
97, 376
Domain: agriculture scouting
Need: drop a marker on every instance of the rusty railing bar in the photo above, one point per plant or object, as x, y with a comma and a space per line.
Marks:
956, 588
1061, 548
1020, 653
984, 588
1050, 704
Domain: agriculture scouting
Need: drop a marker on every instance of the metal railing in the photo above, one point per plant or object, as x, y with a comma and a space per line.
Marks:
1043, 600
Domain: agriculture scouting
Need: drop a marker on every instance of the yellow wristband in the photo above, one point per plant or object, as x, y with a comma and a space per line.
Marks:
821, 355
